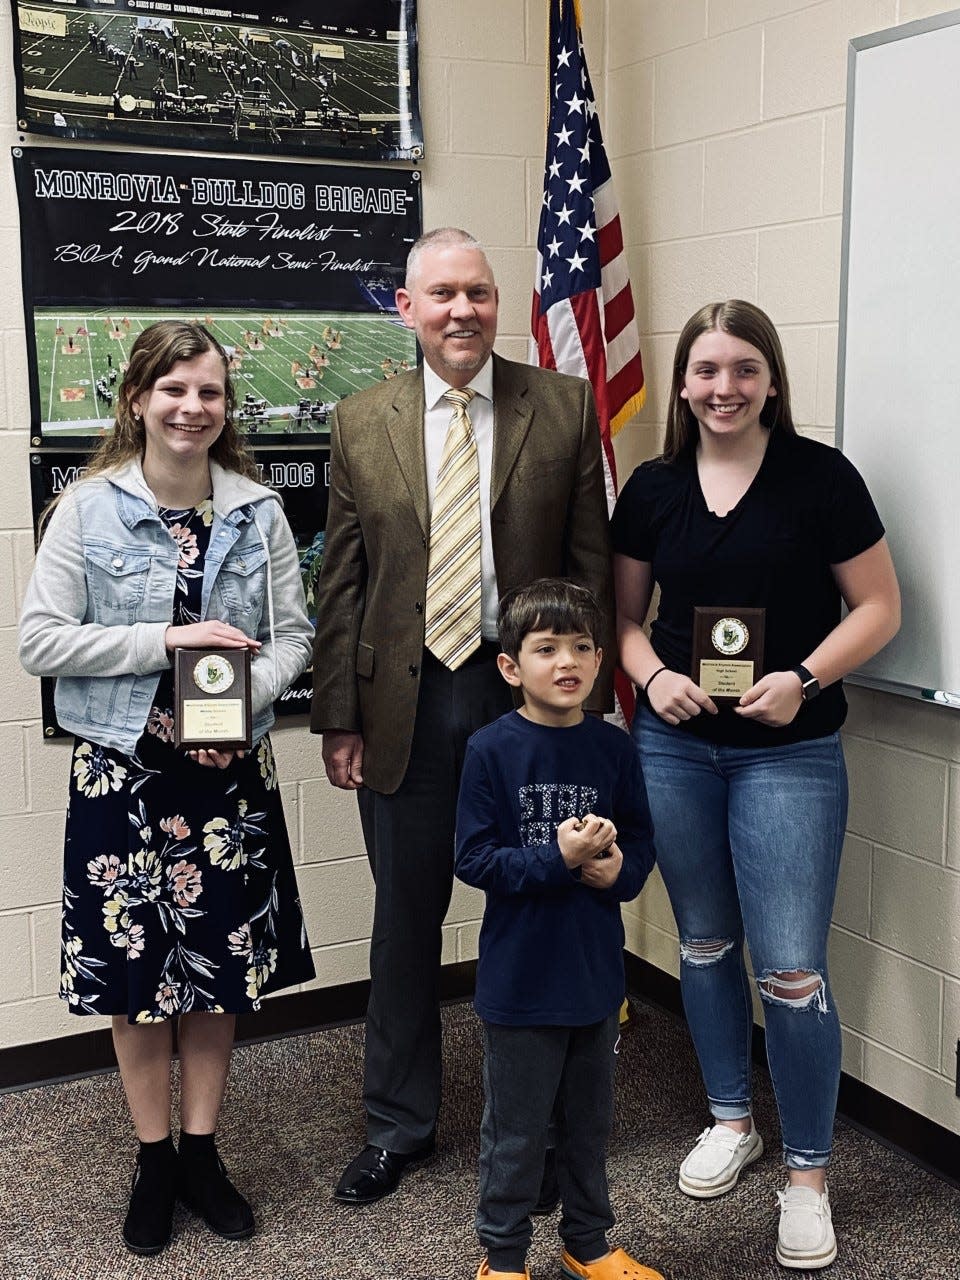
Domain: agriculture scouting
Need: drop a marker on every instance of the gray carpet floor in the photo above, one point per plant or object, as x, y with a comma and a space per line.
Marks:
292, 1119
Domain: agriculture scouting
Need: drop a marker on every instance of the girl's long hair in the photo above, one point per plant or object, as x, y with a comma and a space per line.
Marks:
154, 353
748, 323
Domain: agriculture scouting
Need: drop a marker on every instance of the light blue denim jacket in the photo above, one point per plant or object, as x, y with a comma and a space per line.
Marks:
101, 598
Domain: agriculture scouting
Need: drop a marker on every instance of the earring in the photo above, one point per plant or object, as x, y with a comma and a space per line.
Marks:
136, 416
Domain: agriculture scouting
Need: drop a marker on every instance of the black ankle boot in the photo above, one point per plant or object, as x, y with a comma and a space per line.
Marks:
146, 1229
208, 1192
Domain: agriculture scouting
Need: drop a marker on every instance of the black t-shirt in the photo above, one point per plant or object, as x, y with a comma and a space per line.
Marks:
807, 509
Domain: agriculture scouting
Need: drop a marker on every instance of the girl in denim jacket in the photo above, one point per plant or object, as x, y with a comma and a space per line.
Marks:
179, 899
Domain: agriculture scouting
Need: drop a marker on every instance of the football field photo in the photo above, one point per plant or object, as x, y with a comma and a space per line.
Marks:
105, 71
289, 368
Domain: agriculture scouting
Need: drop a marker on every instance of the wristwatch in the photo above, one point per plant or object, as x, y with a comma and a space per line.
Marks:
809, 684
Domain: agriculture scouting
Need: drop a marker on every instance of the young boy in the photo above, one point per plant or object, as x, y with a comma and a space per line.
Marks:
553, 824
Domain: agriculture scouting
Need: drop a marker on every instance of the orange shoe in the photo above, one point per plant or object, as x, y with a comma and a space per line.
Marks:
484, 1272
617, 1265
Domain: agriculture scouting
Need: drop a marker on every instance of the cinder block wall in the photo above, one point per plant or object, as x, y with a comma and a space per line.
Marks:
724, 122
725, 126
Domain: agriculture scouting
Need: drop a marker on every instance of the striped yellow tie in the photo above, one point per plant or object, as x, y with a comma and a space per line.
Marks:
453, 574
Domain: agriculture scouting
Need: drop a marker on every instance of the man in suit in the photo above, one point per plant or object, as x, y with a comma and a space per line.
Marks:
395, 707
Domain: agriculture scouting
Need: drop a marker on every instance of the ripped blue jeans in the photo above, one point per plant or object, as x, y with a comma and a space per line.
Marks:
748, 843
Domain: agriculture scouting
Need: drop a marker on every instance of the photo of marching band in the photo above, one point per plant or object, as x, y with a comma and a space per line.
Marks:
281, 85
289, 370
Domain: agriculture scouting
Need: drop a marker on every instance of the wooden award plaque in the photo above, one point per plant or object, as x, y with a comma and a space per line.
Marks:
212, 699
727, 650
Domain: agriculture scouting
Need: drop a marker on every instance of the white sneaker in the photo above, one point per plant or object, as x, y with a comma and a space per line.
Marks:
714, 1164
805, 1240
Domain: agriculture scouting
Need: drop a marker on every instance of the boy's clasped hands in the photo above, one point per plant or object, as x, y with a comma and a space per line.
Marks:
590, 844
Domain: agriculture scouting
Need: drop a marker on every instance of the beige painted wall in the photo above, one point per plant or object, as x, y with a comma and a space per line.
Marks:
724, 122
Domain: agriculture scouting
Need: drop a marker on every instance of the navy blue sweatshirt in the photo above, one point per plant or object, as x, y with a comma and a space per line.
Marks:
551, 949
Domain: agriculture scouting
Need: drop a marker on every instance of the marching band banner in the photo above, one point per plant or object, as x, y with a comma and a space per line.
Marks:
293, 268
311, 77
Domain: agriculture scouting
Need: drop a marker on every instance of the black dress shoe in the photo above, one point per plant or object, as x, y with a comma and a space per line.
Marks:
375, 1172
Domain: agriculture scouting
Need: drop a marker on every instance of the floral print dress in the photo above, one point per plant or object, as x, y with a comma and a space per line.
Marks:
179, 891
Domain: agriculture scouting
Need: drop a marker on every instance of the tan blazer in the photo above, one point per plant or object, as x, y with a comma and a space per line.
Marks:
548, 518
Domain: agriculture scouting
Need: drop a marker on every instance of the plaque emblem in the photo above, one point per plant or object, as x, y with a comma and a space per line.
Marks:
213, 674
729, 636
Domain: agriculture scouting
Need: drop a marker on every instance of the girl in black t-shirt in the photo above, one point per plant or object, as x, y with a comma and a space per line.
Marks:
748, 791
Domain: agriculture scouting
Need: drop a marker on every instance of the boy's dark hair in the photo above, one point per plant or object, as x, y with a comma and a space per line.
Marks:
547, 604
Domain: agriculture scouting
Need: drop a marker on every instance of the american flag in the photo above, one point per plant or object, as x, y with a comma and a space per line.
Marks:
583, 318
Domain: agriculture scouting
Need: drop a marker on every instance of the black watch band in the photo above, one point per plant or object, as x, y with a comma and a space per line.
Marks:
809, 684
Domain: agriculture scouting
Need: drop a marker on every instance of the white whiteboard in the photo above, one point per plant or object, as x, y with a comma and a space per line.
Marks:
898, 401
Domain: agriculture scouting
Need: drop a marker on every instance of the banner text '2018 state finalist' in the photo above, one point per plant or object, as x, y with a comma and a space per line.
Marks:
292, 267
310, 77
